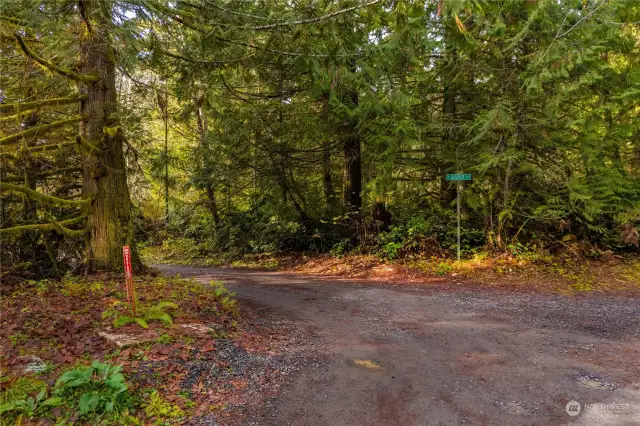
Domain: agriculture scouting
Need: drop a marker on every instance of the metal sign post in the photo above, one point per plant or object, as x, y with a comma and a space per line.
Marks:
458, 178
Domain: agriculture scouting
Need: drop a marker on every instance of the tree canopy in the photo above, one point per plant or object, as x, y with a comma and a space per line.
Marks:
269, 125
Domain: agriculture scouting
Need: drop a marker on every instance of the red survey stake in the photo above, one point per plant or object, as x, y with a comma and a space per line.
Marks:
128, 275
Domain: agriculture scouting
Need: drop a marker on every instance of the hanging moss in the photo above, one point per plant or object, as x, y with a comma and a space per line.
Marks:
112, 132
41, 175
17, 116
88, 144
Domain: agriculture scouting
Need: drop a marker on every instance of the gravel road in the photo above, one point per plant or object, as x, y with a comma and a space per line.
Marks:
410, 355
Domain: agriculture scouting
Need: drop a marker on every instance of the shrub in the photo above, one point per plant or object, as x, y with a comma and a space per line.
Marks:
413, 236
341, 248
225, 298
443, 269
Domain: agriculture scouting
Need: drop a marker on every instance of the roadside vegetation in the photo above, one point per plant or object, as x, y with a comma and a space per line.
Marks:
563, 272
68, 356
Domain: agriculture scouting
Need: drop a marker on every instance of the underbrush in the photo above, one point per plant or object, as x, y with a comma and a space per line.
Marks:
534, 270
573, 269
59, 363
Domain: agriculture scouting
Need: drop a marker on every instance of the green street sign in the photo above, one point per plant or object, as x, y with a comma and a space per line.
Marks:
460, 176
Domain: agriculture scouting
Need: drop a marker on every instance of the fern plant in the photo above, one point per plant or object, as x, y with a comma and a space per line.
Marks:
145, 314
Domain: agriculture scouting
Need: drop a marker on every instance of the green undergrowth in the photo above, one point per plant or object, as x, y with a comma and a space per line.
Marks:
168, 298
565, 272
187, 252
97, 393
179, 251
97, 383
92, 394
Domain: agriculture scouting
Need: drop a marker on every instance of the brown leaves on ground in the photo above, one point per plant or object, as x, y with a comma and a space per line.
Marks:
59, 323
529, 271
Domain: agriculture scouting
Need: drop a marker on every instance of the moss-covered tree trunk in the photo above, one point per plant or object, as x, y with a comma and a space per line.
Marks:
109, 219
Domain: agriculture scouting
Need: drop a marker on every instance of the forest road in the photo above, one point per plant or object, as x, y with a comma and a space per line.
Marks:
409, 355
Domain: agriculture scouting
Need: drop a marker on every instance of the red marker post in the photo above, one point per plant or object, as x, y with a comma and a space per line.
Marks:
128, 275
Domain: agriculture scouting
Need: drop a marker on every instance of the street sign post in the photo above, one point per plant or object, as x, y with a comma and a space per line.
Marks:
458, 178
128, 275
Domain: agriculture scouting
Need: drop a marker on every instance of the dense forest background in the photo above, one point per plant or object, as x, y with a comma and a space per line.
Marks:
234, 127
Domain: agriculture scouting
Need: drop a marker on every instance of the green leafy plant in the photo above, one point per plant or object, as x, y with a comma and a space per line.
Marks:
341, 248
164, 339
31, 406
72, 286
224, 297
413, 236
95, 389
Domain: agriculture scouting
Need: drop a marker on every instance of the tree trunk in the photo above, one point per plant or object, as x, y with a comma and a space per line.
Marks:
32, 168
203, 129
212, 203
327, 183
447, 190
352, 165
329, 193
109, 218
166, 166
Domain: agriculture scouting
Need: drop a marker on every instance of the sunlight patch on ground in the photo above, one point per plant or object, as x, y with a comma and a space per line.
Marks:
367, 363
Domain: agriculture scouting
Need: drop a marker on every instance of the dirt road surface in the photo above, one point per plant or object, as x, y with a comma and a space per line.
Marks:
447, 355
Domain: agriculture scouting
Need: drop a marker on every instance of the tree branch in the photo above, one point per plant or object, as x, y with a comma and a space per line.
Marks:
85, 78
207, 33
37, 196
25, 106
200, 61
50, 147
34, 130
61, 227
312, 20
47, 173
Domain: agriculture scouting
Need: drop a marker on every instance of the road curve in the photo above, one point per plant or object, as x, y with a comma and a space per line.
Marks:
407, 355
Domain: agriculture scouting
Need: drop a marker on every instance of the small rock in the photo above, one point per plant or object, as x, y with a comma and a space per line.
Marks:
124, 340
35, 365
200, 328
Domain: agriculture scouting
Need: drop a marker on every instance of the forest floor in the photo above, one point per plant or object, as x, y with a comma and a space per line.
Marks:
408, 354
208, 361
